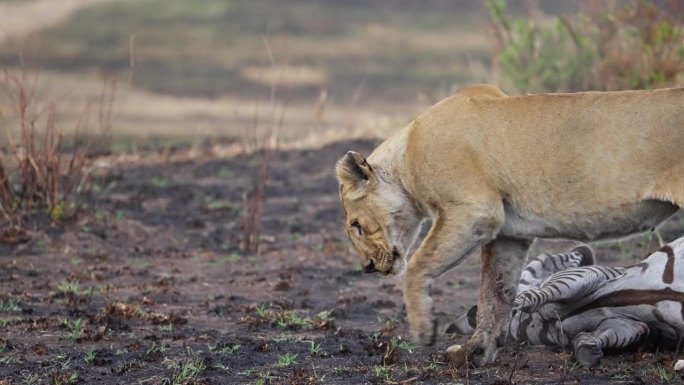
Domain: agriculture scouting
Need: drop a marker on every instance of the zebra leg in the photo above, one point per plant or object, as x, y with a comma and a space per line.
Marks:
565, 285
611, 333
542, 266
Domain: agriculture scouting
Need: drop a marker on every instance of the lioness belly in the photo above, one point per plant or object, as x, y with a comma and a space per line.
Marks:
611, 222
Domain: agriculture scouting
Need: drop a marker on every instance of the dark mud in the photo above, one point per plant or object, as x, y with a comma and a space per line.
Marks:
147, 285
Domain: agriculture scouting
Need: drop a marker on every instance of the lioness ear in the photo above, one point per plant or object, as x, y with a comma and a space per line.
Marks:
353, 171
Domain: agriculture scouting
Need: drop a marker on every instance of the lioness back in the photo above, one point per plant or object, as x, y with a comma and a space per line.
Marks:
580, 155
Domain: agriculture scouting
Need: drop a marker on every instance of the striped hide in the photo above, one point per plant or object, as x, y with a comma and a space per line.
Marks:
565, 300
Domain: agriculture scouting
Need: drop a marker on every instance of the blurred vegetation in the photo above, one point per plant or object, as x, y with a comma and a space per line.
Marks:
44, 169
633, 45
209, 48
200, 70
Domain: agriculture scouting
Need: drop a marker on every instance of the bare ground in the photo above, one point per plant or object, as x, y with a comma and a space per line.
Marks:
147, 286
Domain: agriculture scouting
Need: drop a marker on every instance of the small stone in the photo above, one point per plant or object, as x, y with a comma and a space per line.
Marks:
456, 355
679, 365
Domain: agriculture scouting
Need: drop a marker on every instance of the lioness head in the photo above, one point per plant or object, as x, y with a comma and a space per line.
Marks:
380, 220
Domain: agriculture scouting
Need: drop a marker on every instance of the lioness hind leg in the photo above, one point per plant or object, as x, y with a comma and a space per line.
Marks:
502, 262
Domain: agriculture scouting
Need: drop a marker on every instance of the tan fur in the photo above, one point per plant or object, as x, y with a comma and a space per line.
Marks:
495, 170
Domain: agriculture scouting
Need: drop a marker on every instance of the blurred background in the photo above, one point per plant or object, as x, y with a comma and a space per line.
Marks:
319, 70
85, 78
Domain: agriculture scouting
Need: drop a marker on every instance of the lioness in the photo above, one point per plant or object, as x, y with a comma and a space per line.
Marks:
494, 172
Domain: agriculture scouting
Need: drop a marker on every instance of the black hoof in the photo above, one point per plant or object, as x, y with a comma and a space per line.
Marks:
588, 355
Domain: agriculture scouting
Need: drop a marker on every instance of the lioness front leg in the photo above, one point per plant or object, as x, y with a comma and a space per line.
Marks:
456, 232
502, 261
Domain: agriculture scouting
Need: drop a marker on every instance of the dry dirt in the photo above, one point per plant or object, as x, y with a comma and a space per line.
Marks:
147, 285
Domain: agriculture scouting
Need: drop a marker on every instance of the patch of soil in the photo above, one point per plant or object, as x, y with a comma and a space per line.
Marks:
148, 286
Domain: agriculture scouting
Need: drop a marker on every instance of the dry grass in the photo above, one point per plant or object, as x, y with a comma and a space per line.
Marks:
41, 169
261, 139
162, 120
253, 202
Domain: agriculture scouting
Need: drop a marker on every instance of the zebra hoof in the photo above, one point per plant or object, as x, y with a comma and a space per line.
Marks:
588, 354
525, 303
588, 258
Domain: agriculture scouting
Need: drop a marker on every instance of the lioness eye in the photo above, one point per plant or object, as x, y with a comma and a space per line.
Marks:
357, 226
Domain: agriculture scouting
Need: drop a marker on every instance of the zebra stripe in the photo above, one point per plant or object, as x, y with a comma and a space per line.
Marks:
542, 266
578, 281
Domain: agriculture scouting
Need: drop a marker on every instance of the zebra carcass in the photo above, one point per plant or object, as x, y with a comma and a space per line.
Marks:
565, 300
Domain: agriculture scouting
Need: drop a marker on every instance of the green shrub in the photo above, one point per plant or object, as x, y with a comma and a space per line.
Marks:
637, 45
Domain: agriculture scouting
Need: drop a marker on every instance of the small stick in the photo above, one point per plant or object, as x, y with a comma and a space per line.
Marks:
406, 381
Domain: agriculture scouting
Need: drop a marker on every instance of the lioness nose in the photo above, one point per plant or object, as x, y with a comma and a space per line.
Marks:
369, 268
